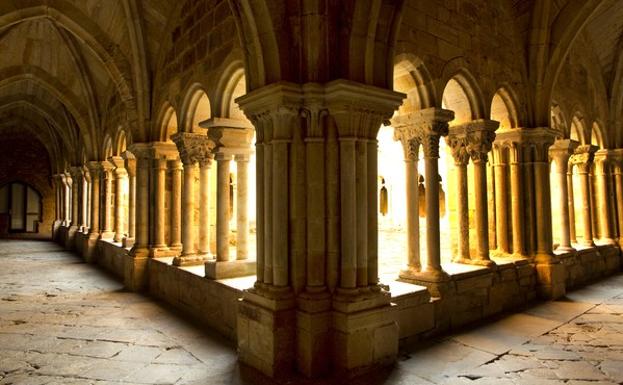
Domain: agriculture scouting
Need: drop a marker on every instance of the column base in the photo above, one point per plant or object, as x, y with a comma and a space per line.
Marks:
128, 242
55, 226
107, 235
229, 269
437, 281
475, 262
135, 269
266, 329
565, 249
313, 333
118, 238
189, 260
499, 253
162, 252
365, 334
551, 280
607, 241
71, 237
88, 248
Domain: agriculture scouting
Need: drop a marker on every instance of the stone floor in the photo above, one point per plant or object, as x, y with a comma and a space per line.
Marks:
65, 322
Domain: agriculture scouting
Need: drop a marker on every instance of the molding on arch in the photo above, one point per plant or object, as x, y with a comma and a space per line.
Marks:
458, 69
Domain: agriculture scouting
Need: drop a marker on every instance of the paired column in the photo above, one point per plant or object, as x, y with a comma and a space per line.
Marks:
121, 178
193, 148
602, 196
159, 212
426, 127
232, 141
141, 152
582, 159
560, 152
66, 179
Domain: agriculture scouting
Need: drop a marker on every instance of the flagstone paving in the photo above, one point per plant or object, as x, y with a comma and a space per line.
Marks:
66, 322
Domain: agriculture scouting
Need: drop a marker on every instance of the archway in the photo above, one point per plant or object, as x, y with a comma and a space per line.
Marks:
21, 210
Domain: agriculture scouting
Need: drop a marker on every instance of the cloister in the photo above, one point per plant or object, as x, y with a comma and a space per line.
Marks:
323, 183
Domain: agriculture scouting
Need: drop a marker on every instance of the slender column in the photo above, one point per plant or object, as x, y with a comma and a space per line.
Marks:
560, 153
84, 224
107, 169
204, 206
95, 172
159, 172
410, 149
121, 176
501, 201
583, 159
76, 182
188, 208
242, 199
141, 242
175, 167
514, 152
130, 165
457, 142
543, 201
66, 200
571, 205
602, 195
480, 136
222, 207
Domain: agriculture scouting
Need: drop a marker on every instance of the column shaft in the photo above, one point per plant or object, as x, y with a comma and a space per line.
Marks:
242, 199
95, 202
222, 209
501, 203
571, 206
433, 257
482, 220
188, 209
517, 206
204, 207
462, 208
160, 167
121, 178
586, 208
413, 218
142, 203
176, 205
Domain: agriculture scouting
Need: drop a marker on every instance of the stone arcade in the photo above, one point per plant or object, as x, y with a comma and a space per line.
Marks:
228, 157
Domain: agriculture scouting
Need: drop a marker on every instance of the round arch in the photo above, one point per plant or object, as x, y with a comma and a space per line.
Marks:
166, 125
412, 78
503, 108
195, 108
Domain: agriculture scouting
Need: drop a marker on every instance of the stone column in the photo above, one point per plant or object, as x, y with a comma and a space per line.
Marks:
560, 153
95, 172
222, 207
175, 167
501, 201
76, 182
410, 147
458, 143
480, 136
159, 213
107, 173
231, 139
242, 198
617, 170
602, 196
583, 159
571, 204
66, 178
550, 271
313, 137
428, 126
193, 148
130, 166
204, 206
121, 177
514, 153
84, 212
136, 265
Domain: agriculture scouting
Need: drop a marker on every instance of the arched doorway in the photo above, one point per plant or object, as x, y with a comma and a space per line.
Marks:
20, 209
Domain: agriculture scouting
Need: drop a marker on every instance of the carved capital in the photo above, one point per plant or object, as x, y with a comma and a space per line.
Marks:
480, 136
193, 147
583, 157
